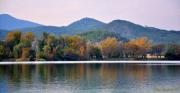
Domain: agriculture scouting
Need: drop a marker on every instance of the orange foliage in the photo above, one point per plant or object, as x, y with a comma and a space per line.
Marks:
30, 36
142, 42
109, 46
12, 36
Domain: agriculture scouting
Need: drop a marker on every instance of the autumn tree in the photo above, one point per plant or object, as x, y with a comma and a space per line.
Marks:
142, 44
109, 47
77, 44
22, 49
52, 41
29, 36
2, 52
27, 39
50, 49
12, 39
131, 50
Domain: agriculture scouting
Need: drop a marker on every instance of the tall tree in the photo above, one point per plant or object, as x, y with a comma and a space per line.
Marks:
109, 47
12, 39
143, 45
29, 36
94, 52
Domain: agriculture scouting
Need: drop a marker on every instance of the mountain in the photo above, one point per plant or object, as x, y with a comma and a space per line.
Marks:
122, 28
8, 22
96, 36
84, 25
132, 31
49, 29
80, 26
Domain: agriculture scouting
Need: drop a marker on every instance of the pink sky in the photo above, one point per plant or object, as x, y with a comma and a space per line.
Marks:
163, 14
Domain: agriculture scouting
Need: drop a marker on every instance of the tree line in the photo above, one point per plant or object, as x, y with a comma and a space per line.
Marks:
20, 46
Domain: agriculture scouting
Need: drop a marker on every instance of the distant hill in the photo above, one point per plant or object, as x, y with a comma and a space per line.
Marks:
3, 34
8, 22
96, 36
49, 29
84, 25
124, 28
131, 31
80, 26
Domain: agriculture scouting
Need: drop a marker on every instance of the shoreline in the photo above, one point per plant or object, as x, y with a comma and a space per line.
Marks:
93, 62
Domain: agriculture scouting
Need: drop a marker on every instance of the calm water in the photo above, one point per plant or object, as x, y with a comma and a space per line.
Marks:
90, 78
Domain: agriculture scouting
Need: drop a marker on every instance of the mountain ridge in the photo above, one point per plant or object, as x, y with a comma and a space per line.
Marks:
9, 22
127, 29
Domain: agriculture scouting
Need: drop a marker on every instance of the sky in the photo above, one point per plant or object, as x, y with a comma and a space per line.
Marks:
164, 14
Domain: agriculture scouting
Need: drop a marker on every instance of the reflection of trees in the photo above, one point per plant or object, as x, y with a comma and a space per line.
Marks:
85, 75
109, 73
2, 71
77, 71
138, 72
26, 72
46, 72
14, 73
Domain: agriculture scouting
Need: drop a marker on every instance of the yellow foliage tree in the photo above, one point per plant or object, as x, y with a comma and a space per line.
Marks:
29, 36
12, 39
78, 44
13, 36
109, 47
142, 44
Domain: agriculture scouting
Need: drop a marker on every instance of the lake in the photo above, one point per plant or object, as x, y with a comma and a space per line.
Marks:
90, 78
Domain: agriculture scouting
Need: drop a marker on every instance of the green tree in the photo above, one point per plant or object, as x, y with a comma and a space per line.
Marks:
71, 54
173, 52
17, 51
52, 41
94, 52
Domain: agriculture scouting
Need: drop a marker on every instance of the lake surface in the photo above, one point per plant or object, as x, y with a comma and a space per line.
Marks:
90, 78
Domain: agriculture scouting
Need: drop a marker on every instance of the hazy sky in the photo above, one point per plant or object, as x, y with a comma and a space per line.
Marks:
157, 13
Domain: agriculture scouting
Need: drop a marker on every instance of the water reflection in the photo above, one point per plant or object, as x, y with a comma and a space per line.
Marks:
91, 78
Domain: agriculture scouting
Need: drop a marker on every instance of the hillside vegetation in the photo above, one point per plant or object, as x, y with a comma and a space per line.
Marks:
96, 36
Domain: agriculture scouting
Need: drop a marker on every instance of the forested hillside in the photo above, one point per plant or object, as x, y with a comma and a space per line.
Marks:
96, 36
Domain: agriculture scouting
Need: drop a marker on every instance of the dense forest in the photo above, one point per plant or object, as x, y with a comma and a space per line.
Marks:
20, 46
